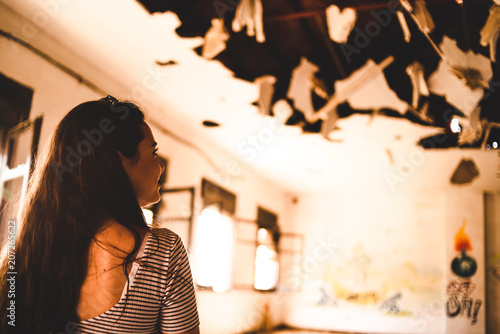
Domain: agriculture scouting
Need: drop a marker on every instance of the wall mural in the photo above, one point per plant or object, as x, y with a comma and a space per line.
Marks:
460, 289
359, 279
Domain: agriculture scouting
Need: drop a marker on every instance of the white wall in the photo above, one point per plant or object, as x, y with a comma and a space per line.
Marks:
56, 92
365, 245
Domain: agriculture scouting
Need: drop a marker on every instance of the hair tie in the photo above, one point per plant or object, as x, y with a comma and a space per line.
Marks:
110, 99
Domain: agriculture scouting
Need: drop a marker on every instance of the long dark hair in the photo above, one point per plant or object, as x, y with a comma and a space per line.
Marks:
78, 186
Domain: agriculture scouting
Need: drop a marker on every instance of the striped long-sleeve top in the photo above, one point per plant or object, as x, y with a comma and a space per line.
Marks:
159, 297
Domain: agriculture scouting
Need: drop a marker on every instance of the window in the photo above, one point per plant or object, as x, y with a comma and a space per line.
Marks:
174, 210
214, 235
240, 253
19, 138
266, 262
266, 255
215, 239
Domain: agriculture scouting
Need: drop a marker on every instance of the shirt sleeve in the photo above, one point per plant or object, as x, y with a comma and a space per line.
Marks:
179, 312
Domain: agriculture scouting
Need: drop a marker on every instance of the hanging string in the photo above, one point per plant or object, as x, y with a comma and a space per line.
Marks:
406, 5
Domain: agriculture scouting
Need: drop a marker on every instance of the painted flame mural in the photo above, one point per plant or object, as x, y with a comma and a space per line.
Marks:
461, 302
463, 265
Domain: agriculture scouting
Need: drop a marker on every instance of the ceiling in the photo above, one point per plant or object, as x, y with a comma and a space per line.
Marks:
298, 28
154, 47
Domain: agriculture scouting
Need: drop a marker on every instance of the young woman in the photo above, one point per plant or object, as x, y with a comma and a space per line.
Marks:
86, 261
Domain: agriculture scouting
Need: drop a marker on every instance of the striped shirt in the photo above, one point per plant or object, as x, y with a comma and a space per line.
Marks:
159, 297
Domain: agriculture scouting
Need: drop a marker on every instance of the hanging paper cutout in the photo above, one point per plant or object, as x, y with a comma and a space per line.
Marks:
352, 84
491, 30
319, 87
282, 111
249, 14
422, 113
471, 128
402, 20
416, 73
404, 26
372, 93
330, 123
266, 91
215, 39
423, 17
422, 26
340, 24
462, 77
301, 86
406, 5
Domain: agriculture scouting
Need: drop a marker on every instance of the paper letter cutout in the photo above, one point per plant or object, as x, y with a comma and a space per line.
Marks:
416, 73
462, 77
215, 39
423, 17
301, 86
373, 93
490, 31
282, 111
249, 13
404, 26
266, 91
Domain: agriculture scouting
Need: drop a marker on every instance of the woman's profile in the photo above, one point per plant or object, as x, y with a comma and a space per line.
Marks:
86, 261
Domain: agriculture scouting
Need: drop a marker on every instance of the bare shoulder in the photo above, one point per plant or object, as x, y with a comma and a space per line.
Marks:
115, 236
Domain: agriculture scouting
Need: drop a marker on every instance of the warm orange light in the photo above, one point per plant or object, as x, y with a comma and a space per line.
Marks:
459, 1
462, 241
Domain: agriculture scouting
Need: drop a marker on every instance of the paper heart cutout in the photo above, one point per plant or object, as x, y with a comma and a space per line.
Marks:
340, 23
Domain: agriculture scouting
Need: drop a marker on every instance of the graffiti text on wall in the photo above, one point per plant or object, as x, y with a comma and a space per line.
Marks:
460, 303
